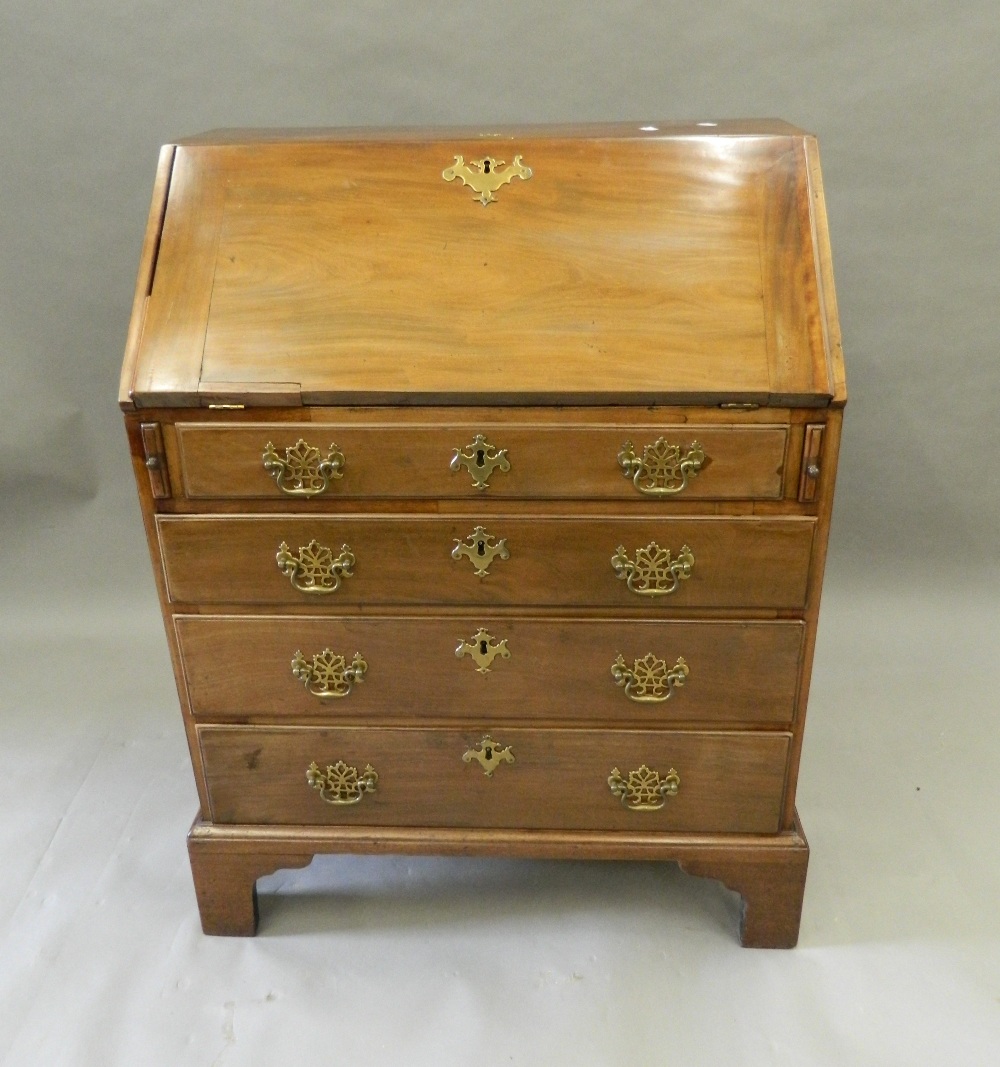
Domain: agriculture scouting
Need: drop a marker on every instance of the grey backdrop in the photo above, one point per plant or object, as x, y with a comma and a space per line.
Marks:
905, 98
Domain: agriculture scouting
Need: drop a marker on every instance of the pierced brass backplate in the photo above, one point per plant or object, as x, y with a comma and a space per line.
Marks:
340, 784
489, 754
315, 569
304, 471
328, 676
480, 459
644, 789
662, 470
482, 649
655, 572
481, 550
486, 175
649, 680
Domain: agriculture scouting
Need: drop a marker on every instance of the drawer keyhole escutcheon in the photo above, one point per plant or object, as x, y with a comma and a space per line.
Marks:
649, 680
654, 572
304, 471
315, 570
489, 754
481, 550
480, 459
485, 176
484, 649
644, 789
340, 784
328, 676
663, 469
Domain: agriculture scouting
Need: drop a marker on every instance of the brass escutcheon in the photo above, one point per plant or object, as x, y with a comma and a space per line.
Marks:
485, 175
304, 471
315, 569
480, 459
489, 755
482, 649
644, 789
655, 572
328, 676
481, 550
662, 470
649, 680
341, 784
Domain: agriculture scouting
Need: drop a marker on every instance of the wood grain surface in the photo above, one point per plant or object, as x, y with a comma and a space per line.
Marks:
240, 668
406, 560
412, 461
558, 780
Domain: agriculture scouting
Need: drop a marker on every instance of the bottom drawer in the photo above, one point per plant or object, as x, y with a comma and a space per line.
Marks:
715, 782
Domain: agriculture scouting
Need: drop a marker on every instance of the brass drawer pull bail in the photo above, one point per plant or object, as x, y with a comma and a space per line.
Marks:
341, 784
315, 570
304, 471
655, 572
662, 470
649, 680
328, 676
644, 789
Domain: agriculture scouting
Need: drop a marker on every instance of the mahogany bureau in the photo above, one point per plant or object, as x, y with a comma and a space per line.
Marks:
487, 481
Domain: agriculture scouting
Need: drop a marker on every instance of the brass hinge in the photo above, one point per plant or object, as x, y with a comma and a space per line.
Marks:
739, 407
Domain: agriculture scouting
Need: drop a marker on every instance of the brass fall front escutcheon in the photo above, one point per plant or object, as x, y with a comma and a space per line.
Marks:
654, 572
644, 789
340, 784
486, 175
315, 570
304, 471
649, 680
328, 676
663, 469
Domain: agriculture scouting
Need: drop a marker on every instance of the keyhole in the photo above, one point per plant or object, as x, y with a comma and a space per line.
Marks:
482, 548
489, 752
486, 166
482, 648
480, 458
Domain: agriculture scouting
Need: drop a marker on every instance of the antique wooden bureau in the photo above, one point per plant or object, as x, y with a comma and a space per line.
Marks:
487, 480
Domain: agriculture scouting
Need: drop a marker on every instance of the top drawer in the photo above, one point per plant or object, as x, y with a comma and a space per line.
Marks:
338, 460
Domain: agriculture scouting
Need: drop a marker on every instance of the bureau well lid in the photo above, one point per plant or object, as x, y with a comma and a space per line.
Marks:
624, 264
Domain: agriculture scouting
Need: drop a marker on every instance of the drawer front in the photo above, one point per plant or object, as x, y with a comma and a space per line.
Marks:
372, 560
662, 462
557, 779
373, 669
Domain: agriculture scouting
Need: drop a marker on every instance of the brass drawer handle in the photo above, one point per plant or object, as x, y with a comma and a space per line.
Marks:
340, 784
481, 550
662, 470
483, 650
649, 680
644, 789
304, 471
655, 572
315, 569
480, 459
328, 676
489, 755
